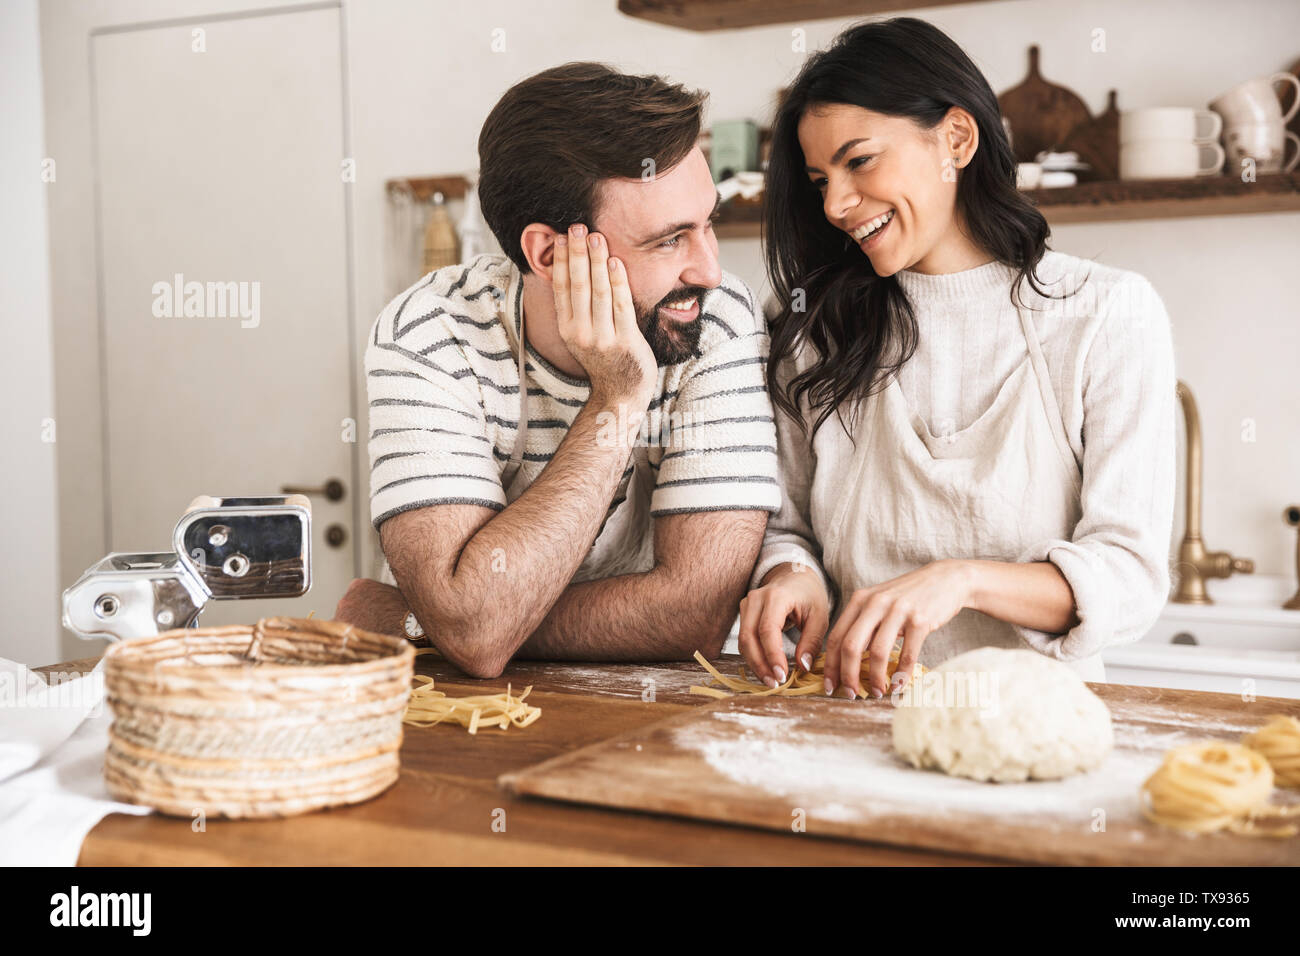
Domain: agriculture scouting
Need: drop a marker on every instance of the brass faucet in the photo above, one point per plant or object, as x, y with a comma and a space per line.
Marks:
1292, 517
1195, 563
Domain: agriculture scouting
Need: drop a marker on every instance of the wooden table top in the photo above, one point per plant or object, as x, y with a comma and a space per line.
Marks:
442, 808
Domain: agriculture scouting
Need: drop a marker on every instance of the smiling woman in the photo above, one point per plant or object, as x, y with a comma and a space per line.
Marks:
889, 115
1003, 470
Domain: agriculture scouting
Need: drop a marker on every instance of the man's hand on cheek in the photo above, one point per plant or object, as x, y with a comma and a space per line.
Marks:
597, 318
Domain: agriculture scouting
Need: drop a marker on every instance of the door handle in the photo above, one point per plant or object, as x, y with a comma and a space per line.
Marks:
333, 490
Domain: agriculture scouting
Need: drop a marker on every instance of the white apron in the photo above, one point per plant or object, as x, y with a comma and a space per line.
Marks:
993, 491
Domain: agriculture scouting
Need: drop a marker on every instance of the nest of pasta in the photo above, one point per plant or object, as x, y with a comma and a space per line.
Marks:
1216, 785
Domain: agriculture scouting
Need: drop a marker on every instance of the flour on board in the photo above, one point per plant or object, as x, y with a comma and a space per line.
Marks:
857, 778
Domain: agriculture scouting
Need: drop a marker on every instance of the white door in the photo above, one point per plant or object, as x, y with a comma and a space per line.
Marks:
220, 148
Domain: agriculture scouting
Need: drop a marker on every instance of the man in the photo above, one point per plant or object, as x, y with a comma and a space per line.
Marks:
573, 540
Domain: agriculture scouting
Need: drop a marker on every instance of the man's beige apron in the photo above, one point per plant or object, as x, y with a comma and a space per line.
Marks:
994, 490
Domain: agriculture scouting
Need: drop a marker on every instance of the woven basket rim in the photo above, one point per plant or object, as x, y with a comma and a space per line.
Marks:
399, 649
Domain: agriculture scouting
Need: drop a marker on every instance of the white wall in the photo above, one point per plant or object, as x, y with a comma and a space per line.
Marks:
29, 576
423, 76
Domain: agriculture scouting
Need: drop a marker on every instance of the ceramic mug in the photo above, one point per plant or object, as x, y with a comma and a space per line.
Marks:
1255, 101
1169, 159
1265, 143
1028, 175
1170, 122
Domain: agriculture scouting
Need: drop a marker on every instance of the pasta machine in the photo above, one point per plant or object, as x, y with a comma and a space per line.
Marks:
222, 549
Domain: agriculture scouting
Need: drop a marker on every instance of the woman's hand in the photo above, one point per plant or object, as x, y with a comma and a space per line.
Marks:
912, 605
790, 595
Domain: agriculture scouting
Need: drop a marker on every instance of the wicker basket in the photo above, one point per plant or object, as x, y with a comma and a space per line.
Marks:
269, 720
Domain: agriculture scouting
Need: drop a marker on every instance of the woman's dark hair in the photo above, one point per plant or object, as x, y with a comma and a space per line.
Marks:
555, 135
861, 324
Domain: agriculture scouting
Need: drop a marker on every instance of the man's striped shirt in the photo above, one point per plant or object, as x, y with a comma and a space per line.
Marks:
443, 383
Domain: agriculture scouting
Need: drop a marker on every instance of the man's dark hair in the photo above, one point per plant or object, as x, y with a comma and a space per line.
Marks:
553, 137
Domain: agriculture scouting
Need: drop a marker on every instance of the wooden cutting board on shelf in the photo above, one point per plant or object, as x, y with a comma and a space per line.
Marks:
1041, 114
828, 765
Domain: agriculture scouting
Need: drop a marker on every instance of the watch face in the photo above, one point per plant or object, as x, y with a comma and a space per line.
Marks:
412, 626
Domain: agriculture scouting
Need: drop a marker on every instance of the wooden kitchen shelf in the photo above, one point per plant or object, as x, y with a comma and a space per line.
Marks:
728, 14
1169, 198
1114, 202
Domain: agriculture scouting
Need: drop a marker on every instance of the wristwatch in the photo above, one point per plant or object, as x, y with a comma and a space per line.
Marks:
412, 627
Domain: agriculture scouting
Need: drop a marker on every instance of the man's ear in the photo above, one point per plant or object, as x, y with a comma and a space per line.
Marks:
538, 244
961, 136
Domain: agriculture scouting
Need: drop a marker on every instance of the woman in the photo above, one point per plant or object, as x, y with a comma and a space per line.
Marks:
976, 433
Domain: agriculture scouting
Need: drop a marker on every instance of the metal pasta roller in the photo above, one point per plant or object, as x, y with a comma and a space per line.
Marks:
222, 549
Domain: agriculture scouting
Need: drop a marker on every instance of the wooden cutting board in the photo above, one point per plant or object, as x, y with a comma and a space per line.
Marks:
828, 765
1041, 114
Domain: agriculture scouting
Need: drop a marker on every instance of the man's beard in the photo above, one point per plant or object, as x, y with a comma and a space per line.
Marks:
672, 341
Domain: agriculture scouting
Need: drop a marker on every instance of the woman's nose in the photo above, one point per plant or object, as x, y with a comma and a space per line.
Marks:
841, 199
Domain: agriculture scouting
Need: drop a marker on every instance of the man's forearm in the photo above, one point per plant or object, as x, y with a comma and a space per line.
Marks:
629, 617
518, 564
687, 602
644, 616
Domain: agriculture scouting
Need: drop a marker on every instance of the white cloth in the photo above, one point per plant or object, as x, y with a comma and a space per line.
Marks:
1108, 359
52, 743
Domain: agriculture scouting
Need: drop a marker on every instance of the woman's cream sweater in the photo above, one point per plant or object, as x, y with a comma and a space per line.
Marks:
1110, 359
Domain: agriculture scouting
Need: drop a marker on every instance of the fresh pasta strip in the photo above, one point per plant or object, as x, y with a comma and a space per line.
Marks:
1214, 785
1279, 742
428, 707
799, 682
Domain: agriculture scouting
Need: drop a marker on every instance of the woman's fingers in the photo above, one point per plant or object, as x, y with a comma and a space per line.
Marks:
881, 646
751, 608
771, 625
810, 638
831, 668
848, 615
854, 644
914, 636
762, 617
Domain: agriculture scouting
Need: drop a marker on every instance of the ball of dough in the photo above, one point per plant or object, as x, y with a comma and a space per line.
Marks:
1004, 715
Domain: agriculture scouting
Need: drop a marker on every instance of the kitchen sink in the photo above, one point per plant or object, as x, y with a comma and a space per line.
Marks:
1243, 643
